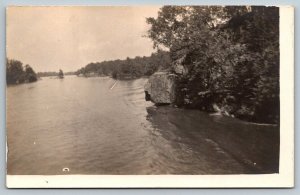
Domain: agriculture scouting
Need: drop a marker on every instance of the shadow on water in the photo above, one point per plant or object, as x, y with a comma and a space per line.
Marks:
234, 146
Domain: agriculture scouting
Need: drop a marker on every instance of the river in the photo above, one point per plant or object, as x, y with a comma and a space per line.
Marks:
100, 126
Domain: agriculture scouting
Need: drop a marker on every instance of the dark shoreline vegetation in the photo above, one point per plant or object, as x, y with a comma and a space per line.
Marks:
225, 59
16, 73
130, 68
53, 74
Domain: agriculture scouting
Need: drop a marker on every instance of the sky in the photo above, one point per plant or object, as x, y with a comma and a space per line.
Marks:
68, 38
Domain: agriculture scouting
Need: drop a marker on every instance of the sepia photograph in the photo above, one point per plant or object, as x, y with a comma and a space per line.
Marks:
145, 91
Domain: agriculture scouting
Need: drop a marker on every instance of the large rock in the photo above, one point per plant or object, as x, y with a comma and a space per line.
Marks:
160, 88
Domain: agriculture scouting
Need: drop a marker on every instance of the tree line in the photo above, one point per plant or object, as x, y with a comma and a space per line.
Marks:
17, 73
129, 68
47, 74
54, 74
228, 56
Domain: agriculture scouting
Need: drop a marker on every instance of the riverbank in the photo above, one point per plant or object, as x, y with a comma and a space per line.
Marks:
176, 89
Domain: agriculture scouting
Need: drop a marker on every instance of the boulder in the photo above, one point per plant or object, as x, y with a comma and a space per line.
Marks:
160, 88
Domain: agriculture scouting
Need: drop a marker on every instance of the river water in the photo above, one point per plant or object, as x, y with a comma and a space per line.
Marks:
98, 126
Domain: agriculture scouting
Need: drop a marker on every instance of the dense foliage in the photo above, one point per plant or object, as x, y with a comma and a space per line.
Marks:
128, 68
17, 73
229, 57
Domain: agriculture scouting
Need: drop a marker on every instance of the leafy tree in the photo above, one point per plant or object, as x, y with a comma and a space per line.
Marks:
230, 56
16, 73
30, 75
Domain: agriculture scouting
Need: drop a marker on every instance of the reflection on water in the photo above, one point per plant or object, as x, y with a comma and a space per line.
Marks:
90, 127
214, 144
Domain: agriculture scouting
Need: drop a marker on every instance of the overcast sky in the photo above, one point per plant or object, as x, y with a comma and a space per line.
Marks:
68, 38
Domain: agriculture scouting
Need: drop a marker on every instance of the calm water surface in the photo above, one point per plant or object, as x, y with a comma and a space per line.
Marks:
97, 126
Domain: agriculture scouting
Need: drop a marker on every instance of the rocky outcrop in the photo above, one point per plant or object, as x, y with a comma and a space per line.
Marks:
160, 88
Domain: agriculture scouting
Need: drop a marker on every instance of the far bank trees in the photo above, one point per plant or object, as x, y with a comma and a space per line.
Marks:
129, 68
